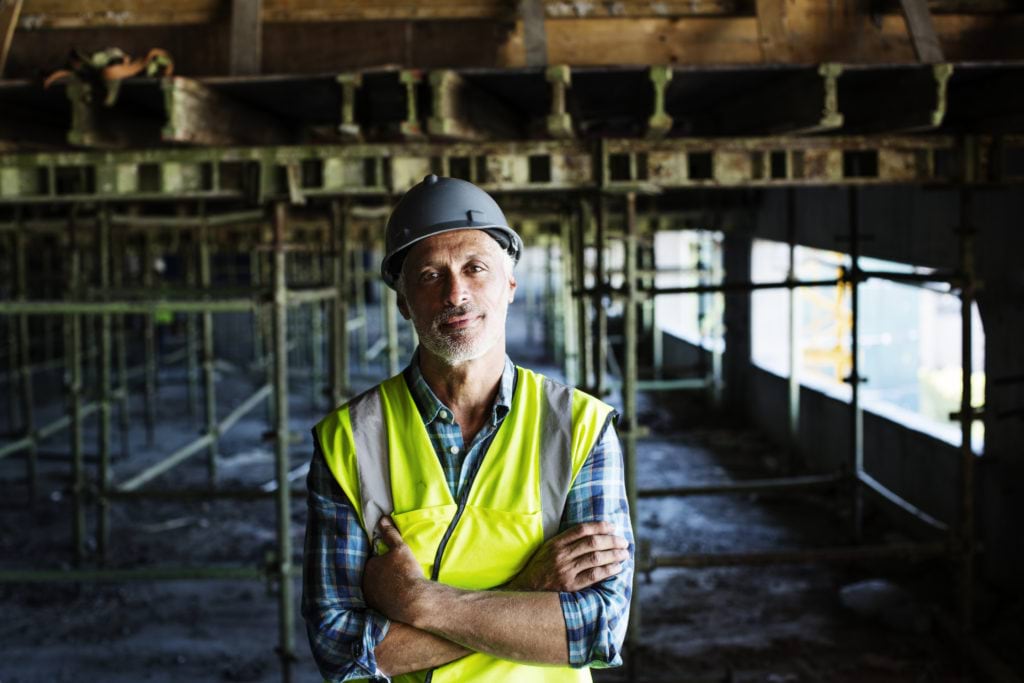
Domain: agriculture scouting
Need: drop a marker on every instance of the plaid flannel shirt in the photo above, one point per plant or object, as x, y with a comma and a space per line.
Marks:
343, 631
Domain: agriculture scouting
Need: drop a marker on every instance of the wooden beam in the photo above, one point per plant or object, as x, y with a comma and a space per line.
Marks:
922, 31
535, 40
772, 31
9, 12
246, 42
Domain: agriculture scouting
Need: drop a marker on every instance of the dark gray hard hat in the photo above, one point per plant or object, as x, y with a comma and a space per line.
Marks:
439, 205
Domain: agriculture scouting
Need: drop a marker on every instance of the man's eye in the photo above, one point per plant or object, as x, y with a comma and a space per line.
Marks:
428, 276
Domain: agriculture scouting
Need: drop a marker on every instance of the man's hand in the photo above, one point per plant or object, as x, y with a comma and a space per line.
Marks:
573, 560
393, 582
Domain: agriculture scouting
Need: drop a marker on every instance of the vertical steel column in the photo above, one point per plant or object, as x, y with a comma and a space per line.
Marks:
103, 506
657, 336
149, 340
209, 372
716, 277
570, 358
49, 321
856, 415
316, 311
73, 378
601, 312
14, 421
257, 309
629, 392
552, 306
359, 278
340, 272
191, 366
28, 412
583, 327
121, 351
967, 457
793, 340
282, 440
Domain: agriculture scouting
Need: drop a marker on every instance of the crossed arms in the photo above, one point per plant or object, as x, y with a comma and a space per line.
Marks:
378, 615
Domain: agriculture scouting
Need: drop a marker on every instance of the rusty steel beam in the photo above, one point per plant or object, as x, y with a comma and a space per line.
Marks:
897, 100
199, 115
559, 121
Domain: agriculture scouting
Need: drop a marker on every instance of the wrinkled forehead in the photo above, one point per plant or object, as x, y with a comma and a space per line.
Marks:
456, 246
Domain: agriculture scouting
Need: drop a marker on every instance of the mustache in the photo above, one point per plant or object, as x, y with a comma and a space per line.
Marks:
453, 312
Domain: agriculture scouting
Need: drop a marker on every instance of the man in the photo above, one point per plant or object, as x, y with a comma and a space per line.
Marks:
467, 518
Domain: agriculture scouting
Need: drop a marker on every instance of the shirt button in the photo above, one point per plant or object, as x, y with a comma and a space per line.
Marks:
444, 414
454, 450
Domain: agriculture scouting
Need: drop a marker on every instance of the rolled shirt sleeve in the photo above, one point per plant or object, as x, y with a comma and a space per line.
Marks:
343, 632
596, 617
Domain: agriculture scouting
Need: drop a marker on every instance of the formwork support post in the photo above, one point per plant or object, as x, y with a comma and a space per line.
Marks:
966, 416
856, 414
103, 512
191, 367
793, 340
28, 420
281, 443
570, 321
339, 319
121, 351
73, 379
149, 341
209, 372
600, 312
583, 326
630, 377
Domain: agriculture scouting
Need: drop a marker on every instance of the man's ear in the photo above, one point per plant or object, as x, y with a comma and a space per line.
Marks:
403, 307
511, 288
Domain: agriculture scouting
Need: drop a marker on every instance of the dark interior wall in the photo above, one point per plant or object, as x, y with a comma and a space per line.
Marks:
918, 225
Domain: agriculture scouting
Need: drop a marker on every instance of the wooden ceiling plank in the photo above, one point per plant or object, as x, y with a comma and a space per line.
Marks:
922, 31
9, 12
246, 48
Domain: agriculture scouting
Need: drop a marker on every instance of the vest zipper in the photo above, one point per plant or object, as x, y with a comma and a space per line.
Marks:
463, 499
441, 548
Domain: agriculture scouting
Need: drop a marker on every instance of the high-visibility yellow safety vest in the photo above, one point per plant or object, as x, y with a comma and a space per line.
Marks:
379, 451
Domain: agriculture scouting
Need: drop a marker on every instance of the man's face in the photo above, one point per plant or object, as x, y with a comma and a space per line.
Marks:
457, 288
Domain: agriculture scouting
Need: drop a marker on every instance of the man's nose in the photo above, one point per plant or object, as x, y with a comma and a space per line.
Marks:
456, 290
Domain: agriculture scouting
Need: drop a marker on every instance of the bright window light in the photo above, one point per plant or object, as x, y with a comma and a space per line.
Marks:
685, 258
908, 339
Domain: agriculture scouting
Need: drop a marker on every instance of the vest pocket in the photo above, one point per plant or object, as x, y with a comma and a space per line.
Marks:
422, 530
489, 547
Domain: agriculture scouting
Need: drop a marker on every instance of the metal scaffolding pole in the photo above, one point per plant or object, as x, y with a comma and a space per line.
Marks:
967, 416
73, 379
570, 322
585, 347
793, 341
149, 341
600, 311
283, 437
191, 366
359, 279
28, 419
340, 273
103, 511
121, 352
629, 390
209, 371
856, 414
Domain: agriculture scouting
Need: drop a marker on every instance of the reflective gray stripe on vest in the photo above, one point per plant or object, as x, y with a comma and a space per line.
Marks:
555, 454
370, 435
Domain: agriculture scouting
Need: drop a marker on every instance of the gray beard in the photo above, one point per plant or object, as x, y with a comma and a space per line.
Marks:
453, 348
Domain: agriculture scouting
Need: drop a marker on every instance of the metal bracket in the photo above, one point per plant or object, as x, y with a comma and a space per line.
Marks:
410, 128
559, 120
660, 122
349, 128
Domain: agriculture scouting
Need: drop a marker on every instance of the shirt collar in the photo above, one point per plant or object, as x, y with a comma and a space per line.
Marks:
430, 406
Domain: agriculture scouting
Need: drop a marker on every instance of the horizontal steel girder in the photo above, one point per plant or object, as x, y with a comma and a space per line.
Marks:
261, 174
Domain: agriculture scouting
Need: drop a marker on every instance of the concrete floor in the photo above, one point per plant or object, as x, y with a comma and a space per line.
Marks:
778, 624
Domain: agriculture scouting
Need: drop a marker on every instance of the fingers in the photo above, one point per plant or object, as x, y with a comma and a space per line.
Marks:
595, 543
589, 577
389, 533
